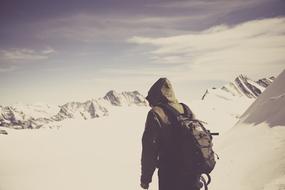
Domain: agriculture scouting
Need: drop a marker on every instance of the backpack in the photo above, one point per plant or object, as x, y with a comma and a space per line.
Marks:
197, 138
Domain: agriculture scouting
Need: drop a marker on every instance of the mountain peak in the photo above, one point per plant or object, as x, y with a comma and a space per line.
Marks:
111, 93
125, 98
35, 116
242, 86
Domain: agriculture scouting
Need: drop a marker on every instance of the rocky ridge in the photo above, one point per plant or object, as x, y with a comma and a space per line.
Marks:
37, 116
241, 87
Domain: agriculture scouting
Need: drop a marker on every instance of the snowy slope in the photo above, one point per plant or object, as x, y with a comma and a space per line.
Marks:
220, 115
270, 107
222, 107
252, 153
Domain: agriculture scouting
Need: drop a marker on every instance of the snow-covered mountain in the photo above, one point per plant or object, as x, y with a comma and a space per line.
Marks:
226, 104
86, 110
229, 101
265, 81
242, 86
252, 153
21, 116
125, 98
100, 107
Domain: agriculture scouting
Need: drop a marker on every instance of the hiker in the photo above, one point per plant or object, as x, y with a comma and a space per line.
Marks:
159, 147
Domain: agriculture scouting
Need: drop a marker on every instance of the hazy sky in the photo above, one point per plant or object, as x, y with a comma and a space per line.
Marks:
60, 50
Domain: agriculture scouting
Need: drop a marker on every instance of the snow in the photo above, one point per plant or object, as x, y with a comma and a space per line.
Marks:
104, 153
38, 110
270, 106
233, 89
251, 157
252, 152
261, 88
101, 153
220, 114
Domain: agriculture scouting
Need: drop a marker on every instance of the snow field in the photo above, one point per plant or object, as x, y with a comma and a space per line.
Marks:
103, 153
251, 157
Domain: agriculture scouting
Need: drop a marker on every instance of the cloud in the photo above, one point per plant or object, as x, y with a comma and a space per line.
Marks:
255, 48
24, 54
93, 28
211, 5
48, 51
8, 69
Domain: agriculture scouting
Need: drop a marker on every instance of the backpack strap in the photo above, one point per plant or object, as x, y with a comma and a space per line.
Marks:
187, 110
173, 113
205, 184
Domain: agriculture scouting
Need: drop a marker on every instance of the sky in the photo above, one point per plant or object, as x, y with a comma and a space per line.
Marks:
66, 50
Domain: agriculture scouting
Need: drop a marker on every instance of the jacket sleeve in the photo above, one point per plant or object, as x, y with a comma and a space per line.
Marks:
150, 147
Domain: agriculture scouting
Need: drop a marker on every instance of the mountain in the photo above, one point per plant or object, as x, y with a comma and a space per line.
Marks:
125, 98
222, 107
21, 116
229, 101
265, 82
252, 153
242, 86
100, 107
86, 110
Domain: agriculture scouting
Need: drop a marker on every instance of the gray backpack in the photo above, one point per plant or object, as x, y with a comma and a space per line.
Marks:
196, 138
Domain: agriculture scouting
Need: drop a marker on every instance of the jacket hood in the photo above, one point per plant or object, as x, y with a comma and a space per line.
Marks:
161, 92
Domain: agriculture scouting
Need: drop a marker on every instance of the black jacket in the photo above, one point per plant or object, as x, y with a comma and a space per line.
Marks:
159, 149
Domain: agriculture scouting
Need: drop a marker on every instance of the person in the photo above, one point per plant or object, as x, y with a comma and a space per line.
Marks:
159, 148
